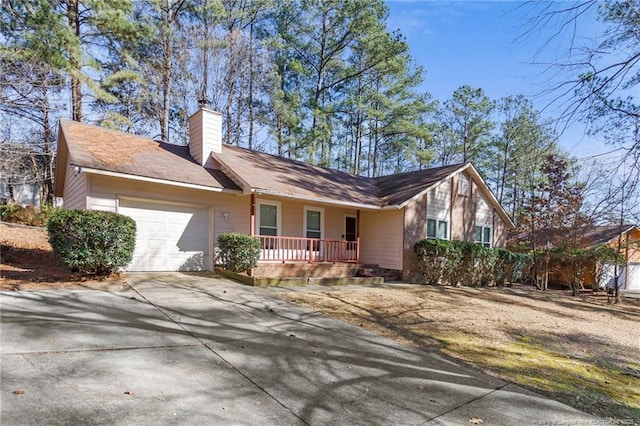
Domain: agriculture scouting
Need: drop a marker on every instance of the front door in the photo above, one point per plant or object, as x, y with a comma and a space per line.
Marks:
351, 235
350, 228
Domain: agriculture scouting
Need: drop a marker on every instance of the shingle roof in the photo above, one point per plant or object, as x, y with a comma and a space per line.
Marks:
398, 188
98, 148
587, 236
604, 234
289, 177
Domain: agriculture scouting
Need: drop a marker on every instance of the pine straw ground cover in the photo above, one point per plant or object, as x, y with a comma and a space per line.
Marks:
27, 263
579, 350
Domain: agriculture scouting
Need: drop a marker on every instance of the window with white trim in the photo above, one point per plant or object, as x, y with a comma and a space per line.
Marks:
313, 222
483, 235
268, 218
437, 229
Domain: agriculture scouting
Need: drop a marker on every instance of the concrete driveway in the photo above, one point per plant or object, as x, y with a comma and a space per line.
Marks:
185, 349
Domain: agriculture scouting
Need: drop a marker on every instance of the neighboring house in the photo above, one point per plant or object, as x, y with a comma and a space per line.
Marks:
183, 197
625, 237
24, 194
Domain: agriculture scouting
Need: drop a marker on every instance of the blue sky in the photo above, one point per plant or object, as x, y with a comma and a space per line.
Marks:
480, 43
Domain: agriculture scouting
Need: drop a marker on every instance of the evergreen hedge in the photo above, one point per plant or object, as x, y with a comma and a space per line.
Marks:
467, 263
92, 241
238, 252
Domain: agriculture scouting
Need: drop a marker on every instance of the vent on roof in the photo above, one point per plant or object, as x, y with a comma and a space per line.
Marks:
205, 135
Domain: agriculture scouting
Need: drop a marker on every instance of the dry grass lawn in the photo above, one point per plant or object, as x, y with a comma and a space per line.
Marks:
579, 350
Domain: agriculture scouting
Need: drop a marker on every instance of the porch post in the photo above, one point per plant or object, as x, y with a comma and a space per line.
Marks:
252, 216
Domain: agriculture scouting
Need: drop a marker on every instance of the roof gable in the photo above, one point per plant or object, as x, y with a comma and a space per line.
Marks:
399, 188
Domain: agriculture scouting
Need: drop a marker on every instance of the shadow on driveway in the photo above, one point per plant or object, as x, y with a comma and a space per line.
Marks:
188, 349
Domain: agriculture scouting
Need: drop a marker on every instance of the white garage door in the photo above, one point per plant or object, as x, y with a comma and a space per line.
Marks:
634, 277
169, 237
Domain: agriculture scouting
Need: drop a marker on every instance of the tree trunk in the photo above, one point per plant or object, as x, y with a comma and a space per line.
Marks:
47, 183
167, 55
250, 94
73, 15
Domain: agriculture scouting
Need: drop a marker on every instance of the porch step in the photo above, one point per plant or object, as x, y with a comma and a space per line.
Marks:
375, 271
307, 281
286, 281
296, 270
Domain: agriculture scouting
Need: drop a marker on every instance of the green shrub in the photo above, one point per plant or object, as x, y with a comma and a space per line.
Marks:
238, 252
7, 211
29, 215
92, 241
437, 258
467, 263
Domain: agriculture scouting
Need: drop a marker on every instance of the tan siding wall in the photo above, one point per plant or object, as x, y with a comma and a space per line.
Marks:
381, 238
293, 218
484, 212
105, 191
75, 189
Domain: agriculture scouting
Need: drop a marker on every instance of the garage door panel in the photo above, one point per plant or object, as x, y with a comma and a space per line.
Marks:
169, 237
608, 277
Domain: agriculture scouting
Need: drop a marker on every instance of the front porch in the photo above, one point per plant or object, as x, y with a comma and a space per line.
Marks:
277, 249
308, 261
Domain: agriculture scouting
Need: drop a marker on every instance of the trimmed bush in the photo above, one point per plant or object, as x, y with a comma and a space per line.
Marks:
437, 259
92, 241
467, 263
238, 252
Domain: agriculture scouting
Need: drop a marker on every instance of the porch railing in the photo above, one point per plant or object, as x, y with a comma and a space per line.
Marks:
294, 249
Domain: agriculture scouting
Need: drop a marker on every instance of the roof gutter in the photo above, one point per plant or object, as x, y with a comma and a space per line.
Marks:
317, 200
155, 180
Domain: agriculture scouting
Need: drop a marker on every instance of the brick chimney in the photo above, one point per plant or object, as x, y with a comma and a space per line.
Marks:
205, 134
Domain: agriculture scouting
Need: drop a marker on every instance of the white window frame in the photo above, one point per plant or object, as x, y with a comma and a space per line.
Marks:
278, 206
304, 220
481, 242
438, 222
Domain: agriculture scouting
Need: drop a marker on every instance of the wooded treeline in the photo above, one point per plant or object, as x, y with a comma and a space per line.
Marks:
323, 81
